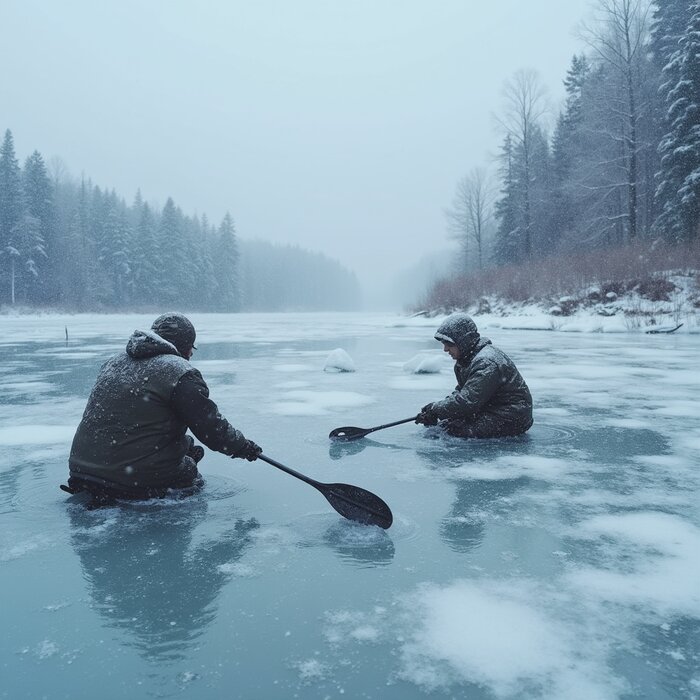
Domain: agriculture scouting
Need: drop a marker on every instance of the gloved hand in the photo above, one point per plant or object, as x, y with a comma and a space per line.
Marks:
250, 451
427, 415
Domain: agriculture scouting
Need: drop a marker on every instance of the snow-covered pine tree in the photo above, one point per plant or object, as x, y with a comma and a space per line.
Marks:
11, 212
115, 251
175, 269
39, 204
78, 266
678, 192
544, 236
145, 257
208, 284
567, 146
226, 267
506, 247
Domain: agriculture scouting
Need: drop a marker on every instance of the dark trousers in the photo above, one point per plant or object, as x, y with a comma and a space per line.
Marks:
104, 492
485, 425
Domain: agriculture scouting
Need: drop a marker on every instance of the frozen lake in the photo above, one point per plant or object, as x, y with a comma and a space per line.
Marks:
565, 564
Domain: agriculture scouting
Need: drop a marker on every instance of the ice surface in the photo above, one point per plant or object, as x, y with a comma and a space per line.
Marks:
665, 570
318, 403
466, 631
36, 435
563, 564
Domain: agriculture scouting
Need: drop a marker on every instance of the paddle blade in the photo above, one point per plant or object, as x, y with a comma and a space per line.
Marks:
347, 433
357, 504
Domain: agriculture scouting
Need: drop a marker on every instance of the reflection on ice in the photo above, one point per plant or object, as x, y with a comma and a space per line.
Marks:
360, 544
145, 577
463, 528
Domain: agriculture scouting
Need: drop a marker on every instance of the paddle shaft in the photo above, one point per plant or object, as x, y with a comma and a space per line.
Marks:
289, 470
391, 425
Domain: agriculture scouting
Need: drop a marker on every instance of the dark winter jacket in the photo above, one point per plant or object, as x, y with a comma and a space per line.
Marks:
487, 380
132, 433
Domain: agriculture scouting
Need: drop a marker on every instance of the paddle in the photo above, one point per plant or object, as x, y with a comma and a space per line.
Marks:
351, 502
350, 433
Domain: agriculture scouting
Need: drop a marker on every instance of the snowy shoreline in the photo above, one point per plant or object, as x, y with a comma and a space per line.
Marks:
534, 319
594, 311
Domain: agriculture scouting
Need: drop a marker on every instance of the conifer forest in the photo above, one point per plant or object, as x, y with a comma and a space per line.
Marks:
71, 245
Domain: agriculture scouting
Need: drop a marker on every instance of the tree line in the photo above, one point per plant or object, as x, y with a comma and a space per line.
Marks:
77, 247
621, 164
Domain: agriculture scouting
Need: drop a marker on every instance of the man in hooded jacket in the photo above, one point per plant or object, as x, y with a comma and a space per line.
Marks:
131, 442
491, 398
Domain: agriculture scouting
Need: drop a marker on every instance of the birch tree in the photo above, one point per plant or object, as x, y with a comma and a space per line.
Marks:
469, 218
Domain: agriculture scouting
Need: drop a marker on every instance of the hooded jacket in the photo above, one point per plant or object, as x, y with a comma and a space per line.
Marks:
487, 379
132, 433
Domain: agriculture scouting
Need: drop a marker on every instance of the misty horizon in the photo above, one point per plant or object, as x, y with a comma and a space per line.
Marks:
341, 129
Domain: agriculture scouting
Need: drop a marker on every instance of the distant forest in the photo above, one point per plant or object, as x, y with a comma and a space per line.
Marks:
620, 169
76, 247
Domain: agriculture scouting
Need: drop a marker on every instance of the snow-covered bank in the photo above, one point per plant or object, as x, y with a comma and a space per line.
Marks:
594, 310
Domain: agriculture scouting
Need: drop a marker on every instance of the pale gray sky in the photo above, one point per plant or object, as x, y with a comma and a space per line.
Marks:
340, 126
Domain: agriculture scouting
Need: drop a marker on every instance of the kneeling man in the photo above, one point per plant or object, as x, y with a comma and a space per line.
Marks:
491, 398
131, 442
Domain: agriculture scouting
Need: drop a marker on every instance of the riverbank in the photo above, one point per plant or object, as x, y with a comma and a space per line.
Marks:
673, 302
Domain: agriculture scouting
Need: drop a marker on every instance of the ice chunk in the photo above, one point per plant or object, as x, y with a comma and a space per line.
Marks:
339, 361
424, 364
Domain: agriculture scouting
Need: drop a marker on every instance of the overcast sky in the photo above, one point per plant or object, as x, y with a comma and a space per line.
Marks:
340, 126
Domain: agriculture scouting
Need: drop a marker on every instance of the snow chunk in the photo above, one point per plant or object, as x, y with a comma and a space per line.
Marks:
339, 361
424, 364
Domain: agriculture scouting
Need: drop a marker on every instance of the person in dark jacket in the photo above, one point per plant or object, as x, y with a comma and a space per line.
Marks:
131, 442
491, 398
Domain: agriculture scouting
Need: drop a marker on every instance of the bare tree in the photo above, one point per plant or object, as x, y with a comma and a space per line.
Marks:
58, 171
617, 34
525, 106
471, 213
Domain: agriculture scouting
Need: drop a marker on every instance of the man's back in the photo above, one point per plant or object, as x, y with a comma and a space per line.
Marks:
129, 433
